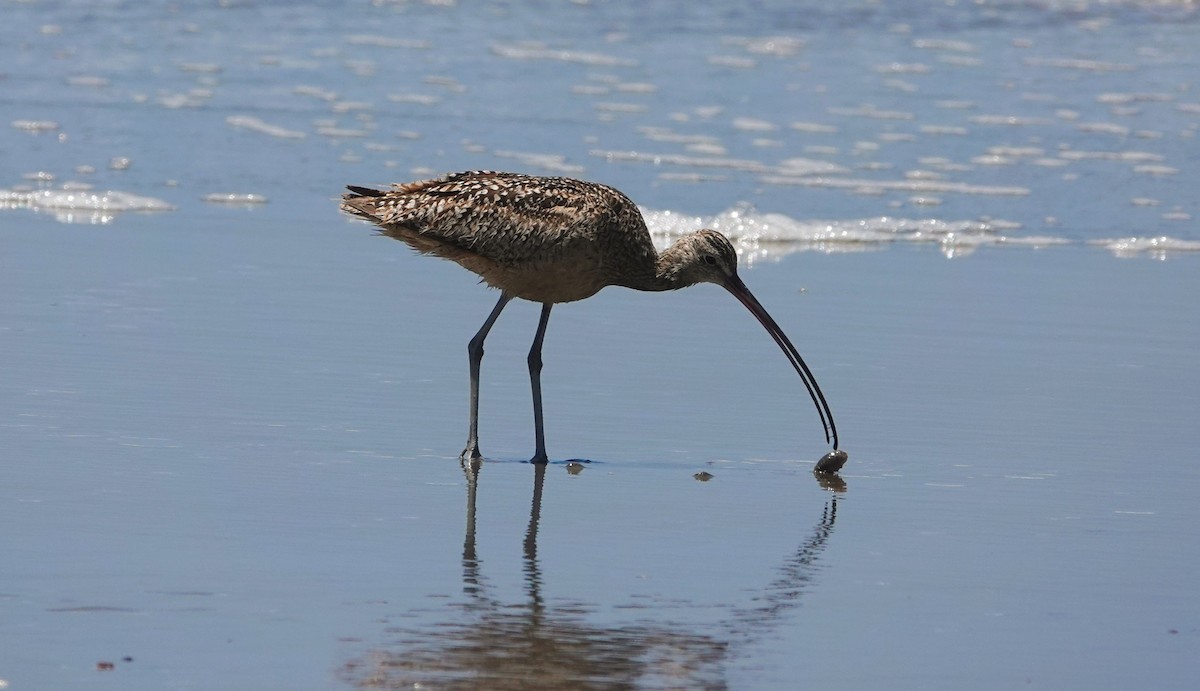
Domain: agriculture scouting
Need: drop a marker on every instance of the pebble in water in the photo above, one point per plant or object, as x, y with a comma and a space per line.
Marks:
832, 462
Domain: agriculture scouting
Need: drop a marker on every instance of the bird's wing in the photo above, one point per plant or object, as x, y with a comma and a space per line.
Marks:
504, 217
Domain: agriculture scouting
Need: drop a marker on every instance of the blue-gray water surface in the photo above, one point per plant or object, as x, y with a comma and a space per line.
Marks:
230, 418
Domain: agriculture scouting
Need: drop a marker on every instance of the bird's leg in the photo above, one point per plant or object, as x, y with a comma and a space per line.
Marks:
475, 351
535, 379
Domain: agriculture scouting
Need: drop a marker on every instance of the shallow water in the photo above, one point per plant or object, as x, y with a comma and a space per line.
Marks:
1024, 123
230, 426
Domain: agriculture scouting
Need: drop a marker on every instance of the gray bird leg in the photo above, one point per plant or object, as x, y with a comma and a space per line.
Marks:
475, 351
535, 379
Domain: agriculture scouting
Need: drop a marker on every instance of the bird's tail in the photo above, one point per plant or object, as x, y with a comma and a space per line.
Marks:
360, 201
356, 191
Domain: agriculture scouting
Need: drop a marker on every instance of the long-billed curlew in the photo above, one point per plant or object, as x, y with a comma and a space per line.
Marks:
551, 240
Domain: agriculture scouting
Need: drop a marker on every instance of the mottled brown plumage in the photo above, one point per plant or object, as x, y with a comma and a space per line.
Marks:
539, 238
551, 240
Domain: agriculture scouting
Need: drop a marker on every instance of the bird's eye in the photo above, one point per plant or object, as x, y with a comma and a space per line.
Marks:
710, 260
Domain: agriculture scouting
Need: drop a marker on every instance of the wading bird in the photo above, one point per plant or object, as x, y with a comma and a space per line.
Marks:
551, 240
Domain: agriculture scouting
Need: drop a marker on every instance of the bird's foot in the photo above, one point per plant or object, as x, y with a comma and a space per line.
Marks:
471, 453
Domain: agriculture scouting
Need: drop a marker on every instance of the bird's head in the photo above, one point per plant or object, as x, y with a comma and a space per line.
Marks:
704, 256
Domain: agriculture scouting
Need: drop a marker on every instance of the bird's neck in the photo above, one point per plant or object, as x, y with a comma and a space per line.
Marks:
666, 273
653, 274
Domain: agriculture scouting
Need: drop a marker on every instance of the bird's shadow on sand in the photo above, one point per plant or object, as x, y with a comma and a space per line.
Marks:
484, 641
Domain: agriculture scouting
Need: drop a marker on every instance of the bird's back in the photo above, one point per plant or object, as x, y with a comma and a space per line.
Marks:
550, 239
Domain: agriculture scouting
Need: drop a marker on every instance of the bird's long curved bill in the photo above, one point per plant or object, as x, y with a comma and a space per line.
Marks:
734, 285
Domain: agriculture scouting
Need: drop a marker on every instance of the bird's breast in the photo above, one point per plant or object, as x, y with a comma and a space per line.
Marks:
564, 280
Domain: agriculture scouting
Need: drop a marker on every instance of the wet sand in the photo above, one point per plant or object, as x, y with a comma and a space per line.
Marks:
246, 472
230, 428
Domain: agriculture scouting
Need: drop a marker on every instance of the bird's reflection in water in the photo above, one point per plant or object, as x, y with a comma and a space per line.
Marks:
489, 644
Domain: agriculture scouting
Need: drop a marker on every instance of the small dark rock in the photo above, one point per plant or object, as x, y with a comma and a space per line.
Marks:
832, 461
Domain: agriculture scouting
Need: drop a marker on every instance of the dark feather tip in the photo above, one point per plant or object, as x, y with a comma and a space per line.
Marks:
364, 191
